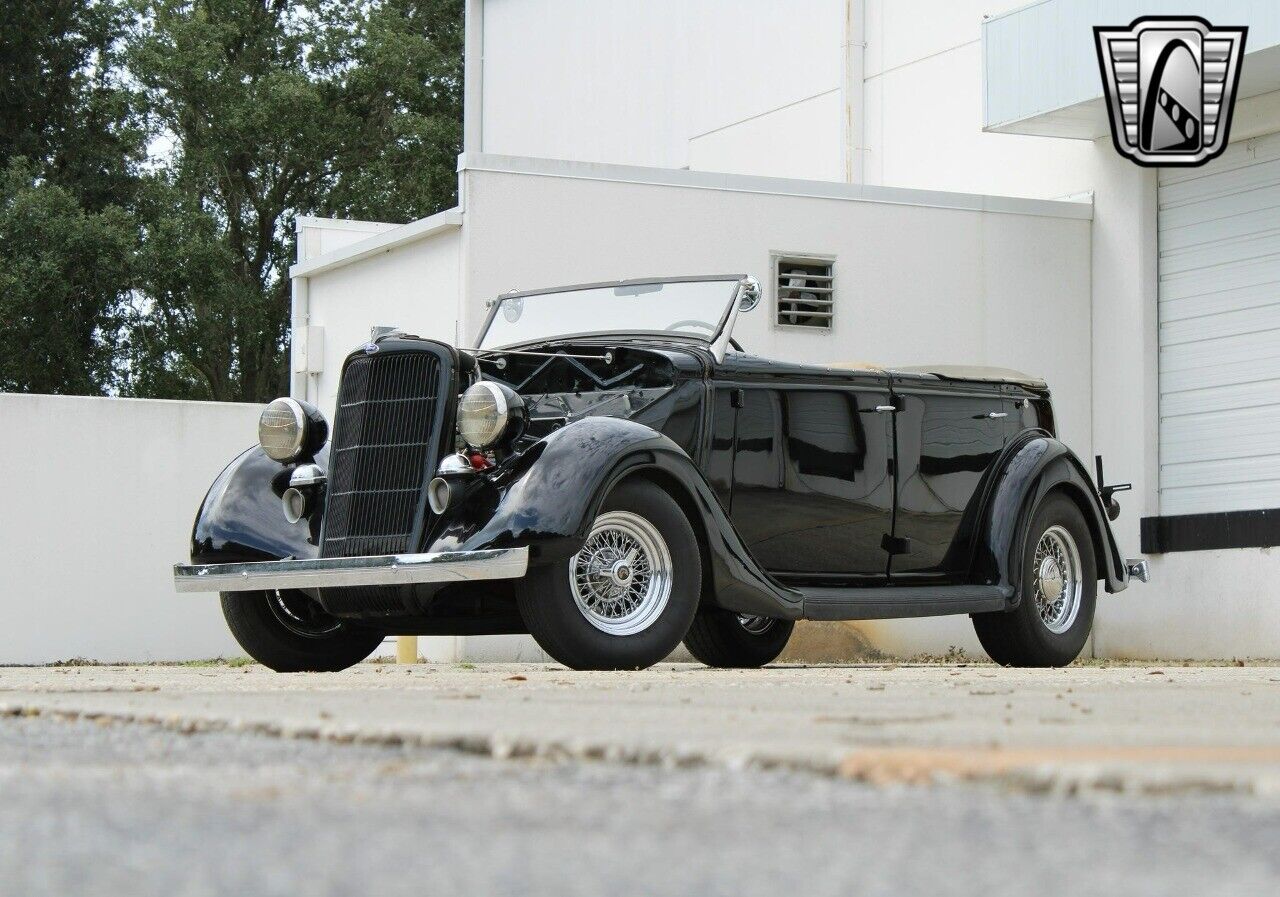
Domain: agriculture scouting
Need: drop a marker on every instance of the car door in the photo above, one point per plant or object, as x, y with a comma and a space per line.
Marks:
812, 484
949, 437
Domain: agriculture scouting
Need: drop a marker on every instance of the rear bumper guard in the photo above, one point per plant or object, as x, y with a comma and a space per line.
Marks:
380, 570
1138, 569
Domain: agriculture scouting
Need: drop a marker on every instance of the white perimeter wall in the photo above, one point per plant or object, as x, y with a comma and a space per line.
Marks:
751, 86
99, 496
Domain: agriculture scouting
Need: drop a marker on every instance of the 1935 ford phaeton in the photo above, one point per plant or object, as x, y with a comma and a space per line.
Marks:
610, 472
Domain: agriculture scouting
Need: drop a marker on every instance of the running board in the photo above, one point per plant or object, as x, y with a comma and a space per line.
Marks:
891, 602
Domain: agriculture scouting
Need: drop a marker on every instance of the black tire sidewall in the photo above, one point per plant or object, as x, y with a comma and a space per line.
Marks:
547, 605
718, 639
1038, 644
267, 640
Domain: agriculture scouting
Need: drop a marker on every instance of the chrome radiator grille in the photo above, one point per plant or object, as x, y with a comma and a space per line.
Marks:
385, 443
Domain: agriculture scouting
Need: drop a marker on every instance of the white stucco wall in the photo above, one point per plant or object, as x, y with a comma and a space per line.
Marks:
924, 129
915, 284
633, 83
99, 499
413, 287
801, 140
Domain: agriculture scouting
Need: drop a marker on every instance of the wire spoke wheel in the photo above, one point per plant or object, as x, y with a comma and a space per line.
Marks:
1057, 579
300, 615
621, 578
755, 624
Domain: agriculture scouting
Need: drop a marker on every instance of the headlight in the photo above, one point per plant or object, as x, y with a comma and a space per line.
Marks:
289, 429
489, 413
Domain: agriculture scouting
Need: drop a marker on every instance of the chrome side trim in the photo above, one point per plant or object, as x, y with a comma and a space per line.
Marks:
380, 570
1138, 569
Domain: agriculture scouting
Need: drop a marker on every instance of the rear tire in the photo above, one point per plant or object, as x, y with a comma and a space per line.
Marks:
290, 633
1059, 589
723, 638
626, 599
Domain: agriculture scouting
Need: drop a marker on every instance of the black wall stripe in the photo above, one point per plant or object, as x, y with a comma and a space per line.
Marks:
1201, 532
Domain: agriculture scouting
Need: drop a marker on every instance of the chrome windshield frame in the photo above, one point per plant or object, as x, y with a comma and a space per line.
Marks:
717, 342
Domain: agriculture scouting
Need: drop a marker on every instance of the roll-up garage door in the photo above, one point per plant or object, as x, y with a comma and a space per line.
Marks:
1219, 233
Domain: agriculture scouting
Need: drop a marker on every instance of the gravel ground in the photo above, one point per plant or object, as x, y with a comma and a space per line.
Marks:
115, 809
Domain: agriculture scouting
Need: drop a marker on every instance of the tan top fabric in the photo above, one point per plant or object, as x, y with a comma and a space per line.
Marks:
856, 366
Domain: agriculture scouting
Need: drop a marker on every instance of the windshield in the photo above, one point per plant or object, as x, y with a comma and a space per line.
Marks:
688, 308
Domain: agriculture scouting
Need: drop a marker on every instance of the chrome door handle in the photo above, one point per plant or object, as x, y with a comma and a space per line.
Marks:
886, 408
994, 414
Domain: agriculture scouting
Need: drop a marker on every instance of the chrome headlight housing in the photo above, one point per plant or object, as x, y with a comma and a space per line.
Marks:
490, 414
289, 430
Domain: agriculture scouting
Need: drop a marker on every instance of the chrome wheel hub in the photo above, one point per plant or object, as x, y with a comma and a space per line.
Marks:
1058, 581
1051, 583
621, 578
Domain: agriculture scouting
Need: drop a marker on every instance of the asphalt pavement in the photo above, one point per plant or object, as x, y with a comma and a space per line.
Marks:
124, 809
527, 781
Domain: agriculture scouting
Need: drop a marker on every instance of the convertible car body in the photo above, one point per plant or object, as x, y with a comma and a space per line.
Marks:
607, 471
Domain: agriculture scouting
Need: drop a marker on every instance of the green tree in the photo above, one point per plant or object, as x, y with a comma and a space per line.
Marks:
70, 146
63, 103
274, 109
64, 275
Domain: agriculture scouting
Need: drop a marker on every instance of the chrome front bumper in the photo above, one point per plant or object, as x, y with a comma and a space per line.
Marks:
382, 570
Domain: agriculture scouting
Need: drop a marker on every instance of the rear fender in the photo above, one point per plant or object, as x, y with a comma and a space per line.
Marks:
1033, 468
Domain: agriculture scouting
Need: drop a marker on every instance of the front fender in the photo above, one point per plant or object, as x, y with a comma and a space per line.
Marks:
547, 498
1033, 468
241, 519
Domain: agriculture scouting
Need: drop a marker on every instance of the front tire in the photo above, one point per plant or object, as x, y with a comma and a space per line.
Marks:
722, 638
290, 633
626, 599
1059, 589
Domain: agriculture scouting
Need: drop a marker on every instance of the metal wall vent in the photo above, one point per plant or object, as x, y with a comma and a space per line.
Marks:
805, 291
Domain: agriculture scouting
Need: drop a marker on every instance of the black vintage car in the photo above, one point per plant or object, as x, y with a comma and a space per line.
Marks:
609, 471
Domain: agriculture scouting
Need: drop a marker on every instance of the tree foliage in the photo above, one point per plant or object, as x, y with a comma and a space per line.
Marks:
64, 105
64, 272
70, 147
254, 112
277, 109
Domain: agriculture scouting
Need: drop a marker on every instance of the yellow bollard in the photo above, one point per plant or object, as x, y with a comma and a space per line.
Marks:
406, 649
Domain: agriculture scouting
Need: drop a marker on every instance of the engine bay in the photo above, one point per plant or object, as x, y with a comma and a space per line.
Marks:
567, 383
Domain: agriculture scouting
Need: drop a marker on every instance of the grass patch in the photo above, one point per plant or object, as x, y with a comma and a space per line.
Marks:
210, 662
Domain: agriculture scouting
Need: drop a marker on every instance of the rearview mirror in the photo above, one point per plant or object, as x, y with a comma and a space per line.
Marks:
750, 290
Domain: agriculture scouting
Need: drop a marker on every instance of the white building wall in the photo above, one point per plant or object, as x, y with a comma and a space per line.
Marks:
924, 129
914, 284
320, 235
100, 496
634, 83
801, 140
924, 96
413, 287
